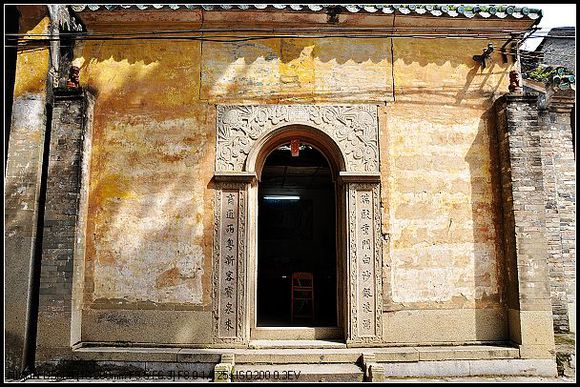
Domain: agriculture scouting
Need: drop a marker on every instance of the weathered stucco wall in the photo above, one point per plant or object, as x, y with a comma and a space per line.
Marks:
151, 202
442, 211
151, 164
441, 205
32, 64
304, 70
440, 194
22, 181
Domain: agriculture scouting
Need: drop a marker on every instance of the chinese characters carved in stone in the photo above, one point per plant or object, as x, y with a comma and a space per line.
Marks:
229, 250
364, 260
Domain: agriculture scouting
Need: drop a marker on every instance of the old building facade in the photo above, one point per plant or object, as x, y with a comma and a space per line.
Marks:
137, 215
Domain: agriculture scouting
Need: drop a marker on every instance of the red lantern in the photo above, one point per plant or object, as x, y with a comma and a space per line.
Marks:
295, 147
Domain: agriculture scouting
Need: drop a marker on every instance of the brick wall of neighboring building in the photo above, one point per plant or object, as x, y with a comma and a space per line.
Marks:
523, 187
559, 180
559, 47
556, 118
520, 132
71, 111
543, 178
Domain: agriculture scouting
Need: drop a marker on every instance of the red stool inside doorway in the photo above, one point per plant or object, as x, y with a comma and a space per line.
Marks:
302, 294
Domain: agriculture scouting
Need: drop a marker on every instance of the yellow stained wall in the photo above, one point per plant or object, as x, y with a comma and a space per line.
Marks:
439, 186
151, 164
150, 228
32, 64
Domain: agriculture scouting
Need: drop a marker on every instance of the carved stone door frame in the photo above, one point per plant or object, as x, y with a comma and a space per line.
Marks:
348, 136
255, 162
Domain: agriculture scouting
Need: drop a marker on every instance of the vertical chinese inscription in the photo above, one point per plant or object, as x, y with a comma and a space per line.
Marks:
365, 261
229, 262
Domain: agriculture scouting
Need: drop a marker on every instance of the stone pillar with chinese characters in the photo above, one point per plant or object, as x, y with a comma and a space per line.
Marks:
229, 263
364, 264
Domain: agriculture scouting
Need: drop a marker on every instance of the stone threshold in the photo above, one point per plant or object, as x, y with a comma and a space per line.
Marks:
296, 344
296, 333
306, 352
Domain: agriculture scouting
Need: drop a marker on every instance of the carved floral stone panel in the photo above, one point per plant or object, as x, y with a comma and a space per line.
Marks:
353, 127
229, 262
364, 260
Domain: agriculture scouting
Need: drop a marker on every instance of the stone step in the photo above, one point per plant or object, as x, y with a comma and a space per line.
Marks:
281, 352
297, 333
327, 364
296, 344
289, 356
340, 372
382, 355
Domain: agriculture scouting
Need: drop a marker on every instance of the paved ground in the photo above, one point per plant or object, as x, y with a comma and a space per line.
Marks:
566, 354
504, 379
516, 379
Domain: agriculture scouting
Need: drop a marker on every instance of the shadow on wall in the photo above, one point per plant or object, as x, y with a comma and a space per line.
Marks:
13, 345
469, 95
162, 76
285, 50
151, 78
464, 93
329, 49
157, 75
489, 265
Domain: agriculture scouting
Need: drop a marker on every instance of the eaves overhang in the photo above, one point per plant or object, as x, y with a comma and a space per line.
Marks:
436, 10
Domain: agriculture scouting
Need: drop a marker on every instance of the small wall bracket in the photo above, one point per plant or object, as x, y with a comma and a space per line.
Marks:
481, 59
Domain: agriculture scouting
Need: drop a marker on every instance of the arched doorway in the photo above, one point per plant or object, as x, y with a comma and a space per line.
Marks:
347, 137
318, 218
296, 234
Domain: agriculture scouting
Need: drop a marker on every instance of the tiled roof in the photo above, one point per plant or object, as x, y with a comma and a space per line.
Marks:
563, 31
469, 11
558, 77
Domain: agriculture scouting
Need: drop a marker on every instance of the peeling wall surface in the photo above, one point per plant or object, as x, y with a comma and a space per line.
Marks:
331, 69
151, 164
442, 209
154, 139
438, 184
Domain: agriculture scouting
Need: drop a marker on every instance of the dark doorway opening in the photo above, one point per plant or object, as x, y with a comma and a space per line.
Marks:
296, 234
